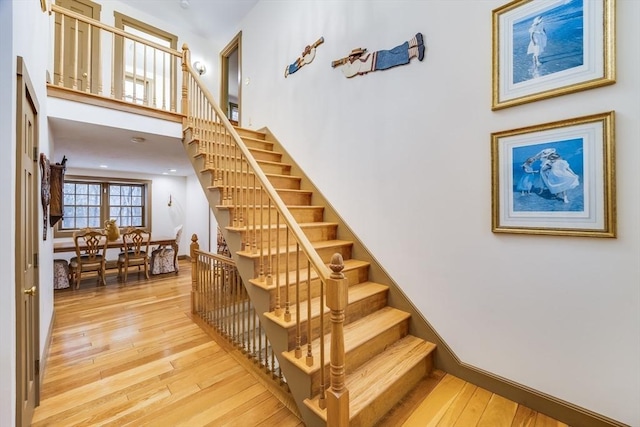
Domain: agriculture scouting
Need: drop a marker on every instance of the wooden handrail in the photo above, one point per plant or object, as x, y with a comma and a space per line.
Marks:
234, 167
300, 237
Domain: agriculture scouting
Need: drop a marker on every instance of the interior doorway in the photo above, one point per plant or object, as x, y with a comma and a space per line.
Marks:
231, 78
81, 72
27, 239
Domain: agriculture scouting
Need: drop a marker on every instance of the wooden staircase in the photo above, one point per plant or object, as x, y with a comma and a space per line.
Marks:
383, 361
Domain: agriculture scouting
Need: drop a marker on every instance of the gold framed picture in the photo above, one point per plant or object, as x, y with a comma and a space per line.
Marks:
555, 178
548, 48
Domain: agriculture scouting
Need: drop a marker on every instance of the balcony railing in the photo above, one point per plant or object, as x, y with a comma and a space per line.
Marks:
221, 301
104, 62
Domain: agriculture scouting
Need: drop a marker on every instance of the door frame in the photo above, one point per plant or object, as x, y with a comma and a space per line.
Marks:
25, 91
234, 44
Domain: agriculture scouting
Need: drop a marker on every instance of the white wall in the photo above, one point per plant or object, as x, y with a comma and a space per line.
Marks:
200, 221
7, 216
28, 41
404, 156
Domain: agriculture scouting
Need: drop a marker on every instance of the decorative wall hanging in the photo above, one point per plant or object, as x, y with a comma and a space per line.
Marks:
547, 48
45, 191
359, 62
56, 208
556, 178
307, 56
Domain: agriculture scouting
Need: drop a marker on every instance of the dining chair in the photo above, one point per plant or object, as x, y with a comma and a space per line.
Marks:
135, 242
163, 257
91, 248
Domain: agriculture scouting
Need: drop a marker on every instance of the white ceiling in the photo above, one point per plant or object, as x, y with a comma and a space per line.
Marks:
87, 146
212, 19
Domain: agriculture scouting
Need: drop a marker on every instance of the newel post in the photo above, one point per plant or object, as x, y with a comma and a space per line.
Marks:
193, 248
186, 57
337, 299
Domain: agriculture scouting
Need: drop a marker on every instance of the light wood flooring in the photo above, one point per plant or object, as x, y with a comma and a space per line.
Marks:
130, 355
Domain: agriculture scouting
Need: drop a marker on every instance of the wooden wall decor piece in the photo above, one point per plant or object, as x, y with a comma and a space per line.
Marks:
56, 206
307, 56
45, 191
358, 62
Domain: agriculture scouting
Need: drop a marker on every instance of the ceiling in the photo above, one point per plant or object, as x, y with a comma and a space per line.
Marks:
212, 19
92, 146
88, 146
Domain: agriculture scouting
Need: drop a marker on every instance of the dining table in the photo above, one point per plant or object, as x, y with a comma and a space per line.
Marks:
160, 241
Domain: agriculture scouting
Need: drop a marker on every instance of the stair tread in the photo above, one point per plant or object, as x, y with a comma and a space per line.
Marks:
291, 190
306, 207
267, 174
318, 224
356, 293
228, 157
262, 150
271, 162
321, 244
355, 334
349, 264
375, 376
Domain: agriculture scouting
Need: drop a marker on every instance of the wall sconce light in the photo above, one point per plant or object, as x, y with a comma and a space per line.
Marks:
199, 67
170, 202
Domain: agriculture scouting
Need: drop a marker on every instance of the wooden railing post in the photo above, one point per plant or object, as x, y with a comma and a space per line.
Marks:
195, 246
337, 300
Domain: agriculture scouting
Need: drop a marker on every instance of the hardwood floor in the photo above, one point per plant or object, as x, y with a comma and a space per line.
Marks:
131, 355
452, 402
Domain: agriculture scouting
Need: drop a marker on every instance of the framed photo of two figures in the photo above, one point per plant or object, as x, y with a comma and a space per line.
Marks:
555, 178
548, 48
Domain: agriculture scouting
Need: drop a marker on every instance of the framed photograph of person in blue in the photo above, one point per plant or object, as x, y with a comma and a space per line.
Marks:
547, 48
555, 178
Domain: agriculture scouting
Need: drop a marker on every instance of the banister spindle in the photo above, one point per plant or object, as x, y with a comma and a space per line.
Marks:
75, 58
113, 66
87, 73
269, 240
298, 326
278, 308
261, 240
185, 97
155, 78
145, 89
254, 192
62, 43
323, 380
309, 359
287, 304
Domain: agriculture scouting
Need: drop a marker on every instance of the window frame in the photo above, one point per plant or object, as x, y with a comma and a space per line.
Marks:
105, 206
122, 21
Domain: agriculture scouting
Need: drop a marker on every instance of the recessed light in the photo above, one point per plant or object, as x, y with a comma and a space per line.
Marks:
165, 173
137, 139
173, 170
104, 166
